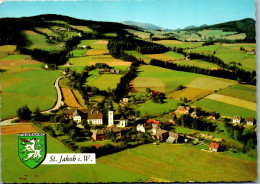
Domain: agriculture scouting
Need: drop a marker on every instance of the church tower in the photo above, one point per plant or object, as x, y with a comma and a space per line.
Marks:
110, 117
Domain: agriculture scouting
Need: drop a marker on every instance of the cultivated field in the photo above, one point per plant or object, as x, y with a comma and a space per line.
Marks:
94, 52
171, 78
163, 57
82, 28
15, 129
136, 54
140, 34
92, 60
6, 49
103, 81
177, 165
216, 32
29, 86
46, 31
190, 93
233, 101
211, 83
69, 98
244, 92
141, 83
180, 44
197, 63
225, 109
20, 173
38, 41
151, 108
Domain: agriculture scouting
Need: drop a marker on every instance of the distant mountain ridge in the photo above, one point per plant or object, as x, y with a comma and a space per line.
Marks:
142, 25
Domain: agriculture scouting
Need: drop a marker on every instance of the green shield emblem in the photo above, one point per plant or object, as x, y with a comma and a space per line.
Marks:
32, 148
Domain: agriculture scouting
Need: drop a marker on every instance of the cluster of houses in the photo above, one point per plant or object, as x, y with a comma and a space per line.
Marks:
248, 120
236, 119
153, 127
108, 70
95, 117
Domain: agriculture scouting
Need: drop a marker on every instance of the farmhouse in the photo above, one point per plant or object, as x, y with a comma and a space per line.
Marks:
183, 109
214, 146
236, 119
162, 134
140, 128
95, 117
250, 121
173, 137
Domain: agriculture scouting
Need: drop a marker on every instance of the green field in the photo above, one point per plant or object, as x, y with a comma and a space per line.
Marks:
175, 55
206, 49
13, 170
178, 163
197, 63
151, 108
136, 54
92, 44
78, 52
38, 41
171, 78
179, 44
103, 81
225, 109
140, 34
244, 92
16, 57
33, 87
216, 32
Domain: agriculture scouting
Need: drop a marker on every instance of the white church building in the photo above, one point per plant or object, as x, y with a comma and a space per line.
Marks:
118, 120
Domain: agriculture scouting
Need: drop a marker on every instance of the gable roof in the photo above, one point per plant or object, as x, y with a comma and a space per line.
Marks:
153, 121
250, 119
95, 115
237, 117
119, 117
214, 145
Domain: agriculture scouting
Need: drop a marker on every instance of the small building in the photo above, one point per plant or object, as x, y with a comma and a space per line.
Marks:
173, 137
153, 121
95, 117
250, 121
214, 146
100, 134
183, 109
125, 100
236, 119
120, 120
83, 46
162, 134
140, 128
77, 118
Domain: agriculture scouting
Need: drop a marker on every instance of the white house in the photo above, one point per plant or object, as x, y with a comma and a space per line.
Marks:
140, 128
95, 118
77, 118
120, 120
250, 121
236, 119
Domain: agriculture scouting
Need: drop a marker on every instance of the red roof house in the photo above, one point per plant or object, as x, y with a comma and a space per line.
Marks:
153, 121
214, 146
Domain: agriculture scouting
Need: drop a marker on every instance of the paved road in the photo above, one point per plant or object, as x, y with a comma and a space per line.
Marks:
57, 105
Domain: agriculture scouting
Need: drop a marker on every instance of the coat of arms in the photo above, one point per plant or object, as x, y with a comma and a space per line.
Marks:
32, 148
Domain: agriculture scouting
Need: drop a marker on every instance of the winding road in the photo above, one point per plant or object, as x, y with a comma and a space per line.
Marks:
57, 105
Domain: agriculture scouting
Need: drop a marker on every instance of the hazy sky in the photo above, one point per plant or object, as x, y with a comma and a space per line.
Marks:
165, 13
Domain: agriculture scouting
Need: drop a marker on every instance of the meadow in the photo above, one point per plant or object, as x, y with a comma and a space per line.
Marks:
217, 32
136, 54
141, 83
179, 44
38, 41
244, 92
140, 34
92, 60
13, 170
82, 28
5, 50
151, 108
224, 109
27, 86
197, 63
103, 81
171, 78
178, 163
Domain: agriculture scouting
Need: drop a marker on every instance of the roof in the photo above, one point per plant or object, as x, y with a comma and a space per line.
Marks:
174, 135
237, 117
171, 139
109, 129
181, 107
214, 145
95, 115
161, 131
250, 119
153, 121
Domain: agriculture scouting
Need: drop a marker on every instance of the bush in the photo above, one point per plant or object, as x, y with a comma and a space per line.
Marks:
24, 113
